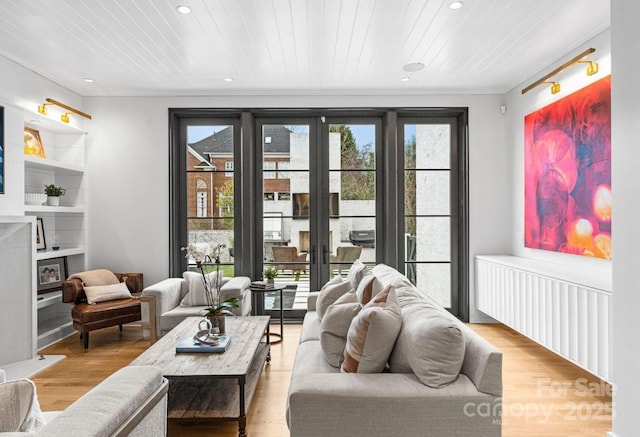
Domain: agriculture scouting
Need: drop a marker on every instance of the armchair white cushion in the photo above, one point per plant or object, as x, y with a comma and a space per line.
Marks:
170, 292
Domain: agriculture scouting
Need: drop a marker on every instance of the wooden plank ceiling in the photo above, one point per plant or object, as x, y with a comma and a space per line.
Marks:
146, 47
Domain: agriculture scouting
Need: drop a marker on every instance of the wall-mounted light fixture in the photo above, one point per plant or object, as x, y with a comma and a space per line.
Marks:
592, 69
555, 86
42, 109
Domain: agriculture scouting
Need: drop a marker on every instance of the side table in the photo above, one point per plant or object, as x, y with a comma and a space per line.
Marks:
276, 287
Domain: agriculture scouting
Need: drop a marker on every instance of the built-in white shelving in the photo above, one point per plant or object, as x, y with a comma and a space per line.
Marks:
65, 224
54, 209
47, 254
34, 162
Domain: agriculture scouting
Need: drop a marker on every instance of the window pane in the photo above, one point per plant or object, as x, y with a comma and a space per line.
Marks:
352, 146
433, 239
427, 146
269, 165
282, 167
210, 188
431, 187
434, 280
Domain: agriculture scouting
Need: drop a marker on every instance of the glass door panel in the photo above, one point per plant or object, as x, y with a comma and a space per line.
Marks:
210, 195
428, 215
286, 207
352, 195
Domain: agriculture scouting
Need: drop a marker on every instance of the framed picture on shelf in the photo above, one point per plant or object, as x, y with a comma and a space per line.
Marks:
52, 273
41, 244
32, 143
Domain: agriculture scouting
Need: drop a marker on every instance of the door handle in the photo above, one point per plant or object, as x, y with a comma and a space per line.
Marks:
325, 254
312, 254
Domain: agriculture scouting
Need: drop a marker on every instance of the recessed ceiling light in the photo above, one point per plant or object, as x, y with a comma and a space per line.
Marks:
88, 80
455, 5
228, 79
405, 79
413, 67
184, 9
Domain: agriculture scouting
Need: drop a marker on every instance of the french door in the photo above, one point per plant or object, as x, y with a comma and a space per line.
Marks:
309, 191
317, 205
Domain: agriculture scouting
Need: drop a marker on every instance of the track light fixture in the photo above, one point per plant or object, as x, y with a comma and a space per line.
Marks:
42, 109
592, 68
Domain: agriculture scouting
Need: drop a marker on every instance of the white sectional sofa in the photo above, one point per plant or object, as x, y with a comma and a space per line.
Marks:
170, 292
131, 402
323, 401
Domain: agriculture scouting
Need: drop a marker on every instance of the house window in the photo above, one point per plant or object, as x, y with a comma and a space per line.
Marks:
228, 168
283, 166
269, 196
284, 196
269, 169
201, 204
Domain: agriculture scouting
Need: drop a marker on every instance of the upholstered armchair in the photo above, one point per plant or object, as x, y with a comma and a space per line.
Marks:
102, 299
283, 255
345, 256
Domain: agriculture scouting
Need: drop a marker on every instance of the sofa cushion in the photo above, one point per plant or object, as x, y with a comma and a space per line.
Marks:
356, 273
310, 360
329, 295
310, 327
335, 326
430, 344
173, 317
369, 287
196, 295
372, 334
337, 279
104, 293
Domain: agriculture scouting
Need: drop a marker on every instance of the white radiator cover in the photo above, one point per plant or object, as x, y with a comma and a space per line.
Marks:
569, 318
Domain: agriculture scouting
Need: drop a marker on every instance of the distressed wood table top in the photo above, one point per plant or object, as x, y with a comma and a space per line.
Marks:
246, 333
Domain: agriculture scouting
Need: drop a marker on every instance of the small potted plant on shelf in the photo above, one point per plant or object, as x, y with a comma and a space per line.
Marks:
53, 193
270, 273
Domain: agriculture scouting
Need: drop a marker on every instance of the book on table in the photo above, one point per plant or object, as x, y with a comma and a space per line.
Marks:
261, 285
190, 345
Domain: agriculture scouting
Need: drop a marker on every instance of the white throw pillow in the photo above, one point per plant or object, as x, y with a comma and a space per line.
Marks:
329, 295
337, 279
356, 273
430, 344
19, 407
103, 293
372, 334
335, 326
196, 295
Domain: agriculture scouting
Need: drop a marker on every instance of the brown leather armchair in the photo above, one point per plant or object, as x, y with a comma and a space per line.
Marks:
287, 254
89, 317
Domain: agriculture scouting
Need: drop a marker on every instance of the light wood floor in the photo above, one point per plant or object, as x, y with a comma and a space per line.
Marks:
544, 395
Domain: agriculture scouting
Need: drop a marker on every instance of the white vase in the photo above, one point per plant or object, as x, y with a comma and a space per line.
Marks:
53, 200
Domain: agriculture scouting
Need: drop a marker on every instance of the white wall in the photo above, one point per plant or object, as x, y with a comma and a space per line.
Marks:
625, 15
519, 105
128, 163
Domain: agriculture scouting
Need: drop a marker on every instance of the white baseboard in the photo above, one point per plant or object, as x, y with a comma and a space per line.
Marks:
610, 434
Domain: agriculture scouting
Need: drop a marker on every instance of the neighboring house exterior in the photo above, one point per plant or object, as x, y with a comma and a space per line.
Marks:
210, 167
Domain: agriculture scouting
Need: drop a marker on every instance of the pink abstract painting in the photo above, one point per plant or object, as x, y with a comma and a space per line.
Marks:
568, 173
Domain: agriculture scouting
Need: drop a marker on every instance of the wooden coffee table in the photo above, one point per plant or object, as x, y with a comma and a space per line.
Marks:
212, 386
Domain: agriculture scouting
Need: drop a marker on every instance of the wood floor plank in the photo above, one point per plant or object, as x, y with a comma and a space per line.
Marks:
544, 395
